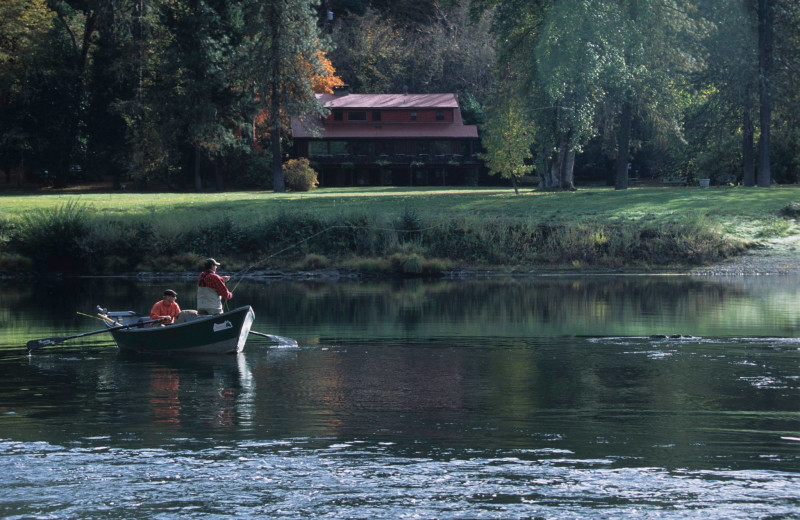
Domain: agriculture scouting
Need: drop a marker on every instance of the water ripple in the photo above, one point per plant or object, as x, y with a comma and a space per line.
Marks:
302, 478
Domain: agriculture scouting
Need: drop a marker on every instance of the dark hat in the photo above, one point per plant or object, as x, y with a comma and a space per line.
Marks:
170, 292
210, 262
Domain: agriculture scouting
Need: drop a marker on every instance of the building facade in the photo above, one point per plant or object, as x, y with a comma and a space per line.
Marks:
389, 139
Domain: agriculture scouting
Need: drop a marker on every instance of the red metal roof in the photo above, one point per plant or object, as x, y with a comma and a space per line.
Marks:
378, 130
388, 100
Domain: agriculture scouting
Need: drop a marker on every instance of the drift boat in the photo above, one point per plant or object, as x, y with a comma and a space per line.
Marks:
215, 334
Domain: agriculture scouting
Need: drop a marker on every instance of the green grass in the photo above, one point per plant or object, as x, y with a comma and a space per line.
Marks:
454, 224
726, 202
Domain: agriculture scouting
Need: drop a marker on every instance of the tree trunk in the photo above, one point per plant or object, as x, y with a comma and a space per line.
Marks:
556, 167
514, 184
765, 23
219, 177
568, 177
198, 183
748, 158
21, 170
70, 138
278, 184
623, 145
551, 174
137, 152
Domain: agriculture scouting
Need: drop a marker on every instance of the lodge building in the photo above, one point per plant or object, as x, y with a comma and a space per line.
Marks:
388, 139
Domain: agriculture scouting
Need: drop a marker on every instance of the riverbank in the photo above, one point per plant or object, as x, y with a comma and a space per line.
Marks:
363, 232
777, 256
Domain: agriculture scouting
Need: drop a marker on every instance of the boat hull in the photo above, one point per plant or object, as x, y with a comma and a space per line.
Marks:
217, 334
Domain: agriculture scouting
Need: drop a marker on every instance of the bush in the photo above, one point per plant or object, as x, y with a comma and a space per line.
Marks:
299, 175
791, 210
52, 238
409, 225
15, 264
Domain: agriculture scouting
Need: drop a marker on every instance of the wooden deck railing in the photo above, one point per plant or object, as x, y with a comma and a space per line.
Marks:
395, 159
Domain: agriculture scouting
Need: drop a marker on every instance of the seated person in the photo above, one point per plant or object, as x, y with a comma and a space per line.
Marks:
167, 309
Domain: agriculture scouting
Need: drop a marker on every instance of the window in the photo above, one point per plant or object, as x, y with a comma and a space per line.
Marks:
338, 115
440, 116
359, 115
413, 116
317, 148
376, 115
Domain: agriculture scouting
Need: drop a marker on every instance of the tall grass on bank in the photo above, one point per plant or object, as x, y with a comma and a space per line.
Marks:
53, 239
71, 239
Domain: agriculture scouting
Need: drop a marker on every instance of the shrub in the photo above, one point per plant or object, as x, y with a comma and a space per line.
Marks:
165, 263
409, 225
313, 261
791, 210
299, 175
15, 264
52, 238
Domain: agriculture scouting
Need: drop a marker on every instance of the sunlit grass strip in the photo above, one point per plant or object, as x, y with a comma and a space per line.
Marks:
656, 203
410, 230
406, 243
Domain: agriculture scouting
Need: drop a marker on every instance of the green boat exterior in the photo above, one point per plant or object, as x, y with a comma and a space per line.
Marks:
216, 334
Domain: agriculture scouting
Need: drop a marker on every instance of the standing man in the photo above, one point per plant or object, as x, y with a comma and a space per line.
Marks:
211, 289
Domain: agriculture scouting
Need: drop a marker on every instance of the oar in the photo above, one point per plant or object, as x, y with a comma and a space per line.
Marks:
277, 339
38, 343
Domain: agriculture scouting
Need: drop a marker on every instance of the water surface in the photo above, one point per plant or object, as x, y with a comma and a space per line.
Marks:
526, 398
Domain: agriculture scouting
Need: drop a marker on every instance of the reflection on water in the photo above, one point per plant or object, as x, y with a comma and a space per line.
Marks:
485, 399
547, 306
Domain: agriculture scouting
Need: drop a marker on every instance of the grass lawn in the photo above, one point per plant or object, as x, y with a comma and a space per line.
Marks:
395, 229
742, 213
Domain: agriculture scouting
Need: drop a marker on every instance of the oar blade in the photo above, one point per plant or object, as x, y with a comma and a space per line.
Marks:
39, 343
283, 341
280, 340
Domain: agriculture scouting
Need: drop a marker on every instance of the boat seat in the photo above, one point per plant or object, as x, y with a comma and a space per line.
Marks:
126, 317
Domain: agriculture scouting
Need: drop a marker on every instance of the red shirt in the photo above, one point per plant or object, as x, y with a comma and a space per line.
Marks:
213, 280
162, 308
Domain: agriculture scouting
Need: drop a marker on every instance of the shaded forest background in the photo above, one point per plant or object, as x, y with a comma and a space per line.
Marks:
196, 94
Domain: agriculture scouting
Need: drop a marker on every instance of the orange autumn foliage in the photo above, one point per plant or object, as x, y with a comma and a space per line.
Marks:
324, 83
321, 82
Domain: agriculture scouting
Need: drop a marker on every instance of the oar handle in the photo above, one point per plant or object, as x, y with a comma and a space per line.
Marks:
38, 343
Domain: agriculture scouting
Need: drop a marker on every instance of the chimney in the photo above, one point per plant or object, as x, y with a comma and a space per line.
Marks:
341, 90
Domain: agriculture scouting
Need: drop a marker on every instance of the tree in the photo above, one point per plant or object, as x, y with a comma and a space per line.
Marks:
370, 54
650, 51
46, 54
748, 89
286, 44
23, 25
721, 104
766, 21
507, 138
77, 21
447, 52
586, 60
202, 67
115, 84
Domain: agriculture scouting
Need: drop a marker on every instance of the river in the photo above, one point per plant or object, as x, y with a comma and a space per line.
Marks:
551, 397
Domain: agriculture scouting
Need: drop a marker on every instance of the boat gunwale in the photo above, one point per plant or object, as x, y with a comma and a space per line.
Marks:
200, 319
